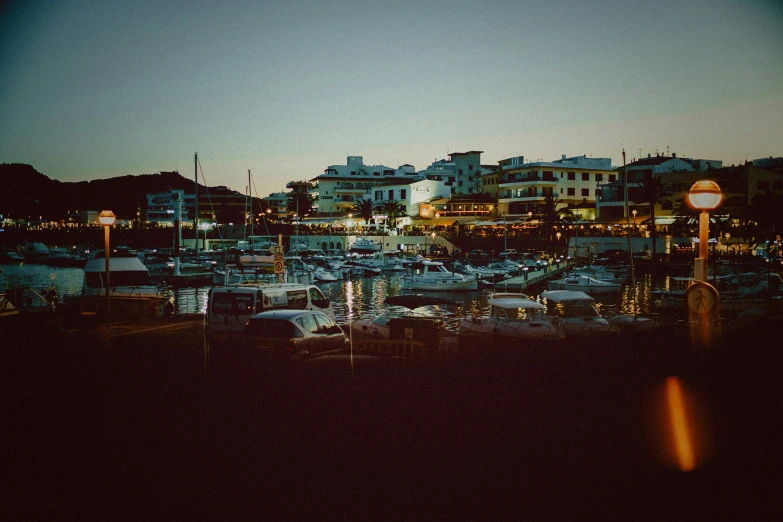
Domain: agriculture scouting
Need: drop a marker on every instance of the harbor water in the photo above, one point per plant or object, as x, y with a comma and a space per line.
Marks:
359, 298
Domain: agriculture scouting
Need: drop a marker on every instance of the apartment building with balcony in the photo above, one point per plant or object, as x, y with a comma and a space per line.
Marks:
519, 187
341, 186
462, 172
610, 203
277, 202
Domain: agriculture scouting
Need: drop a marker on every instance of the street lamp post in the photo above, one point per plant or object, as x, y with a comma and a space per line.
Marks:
634, 219
106, 218
705, 195
433, 242
557, 247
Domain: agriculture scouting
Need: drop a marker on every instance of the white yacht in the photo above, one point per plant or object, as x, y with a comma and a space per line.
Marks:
433, 276
131, 291
514, 315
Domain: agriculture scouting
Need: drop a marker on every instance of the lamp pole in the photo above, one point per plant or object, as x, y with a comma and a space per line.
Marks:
433, 242
107, 218
705, 195
557, 246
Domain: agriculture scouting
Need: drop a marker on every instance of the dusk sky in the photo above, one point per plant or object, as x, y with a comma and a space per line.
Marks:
100, 89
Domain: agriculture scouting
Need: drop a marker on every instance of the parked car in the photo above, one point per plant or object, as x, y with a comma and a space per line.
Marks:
294, 334
477, 254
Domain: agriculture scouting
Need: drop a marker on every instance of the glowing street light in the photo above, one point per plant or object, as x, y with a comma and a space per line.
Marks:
557, 248
107, 219
705, 195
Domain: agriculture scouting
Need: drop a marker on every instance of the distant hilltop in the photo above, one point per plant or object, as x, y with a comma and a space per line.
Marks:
26, 193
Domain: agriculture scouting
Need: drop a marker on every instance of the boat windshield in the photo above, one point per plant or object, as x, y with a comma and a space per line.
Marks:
119, 278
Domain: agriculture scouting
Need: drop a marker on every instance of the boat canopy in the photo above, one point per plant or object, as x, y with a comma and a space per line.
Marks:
559, 296
516, 302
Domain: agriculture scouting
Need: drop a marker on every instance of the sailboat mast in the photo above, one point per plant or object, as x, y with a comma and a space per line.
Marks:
250, 193
195, 215
628, 221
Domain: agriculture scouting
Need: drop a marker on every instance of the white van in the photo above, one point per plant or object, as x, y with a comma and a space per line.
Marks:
230, 307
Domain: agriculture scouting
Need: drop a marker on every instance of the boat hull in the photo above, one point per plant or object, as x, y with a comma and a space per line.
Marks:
444, 284
521, 330
588, 289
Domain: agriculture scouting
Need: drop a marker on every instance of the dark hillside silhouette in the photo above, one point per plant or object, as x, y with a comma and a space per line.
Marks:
27, 193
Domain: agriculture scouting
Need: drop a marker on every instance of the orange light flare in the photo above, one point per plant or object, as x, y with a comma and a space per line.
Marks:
681, 425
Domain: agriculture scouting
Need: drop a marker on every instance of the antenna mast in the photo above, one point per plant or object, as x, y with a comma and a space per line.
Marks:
628, 222
195, 215
250, 195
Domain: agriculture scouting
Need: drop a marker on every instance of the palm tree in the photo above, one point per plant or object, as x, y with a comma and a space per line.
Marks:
652, 192
392, 209
364, 208
549, 216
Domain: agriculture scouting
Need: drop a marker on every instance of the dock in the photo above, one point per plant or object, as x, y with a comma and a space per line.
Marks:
521, 283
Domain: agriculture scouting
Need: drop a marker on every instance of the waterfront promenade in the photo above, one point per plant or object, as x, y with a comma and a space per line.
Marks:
128, 423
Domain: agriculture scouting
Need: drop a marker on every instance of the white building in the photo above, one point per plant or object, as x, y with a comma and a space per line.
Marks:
519, 187
341, 186
461, 173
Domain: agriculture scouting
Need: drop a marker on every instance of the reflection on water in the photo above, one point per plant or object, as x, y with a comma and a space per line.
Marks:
360, 298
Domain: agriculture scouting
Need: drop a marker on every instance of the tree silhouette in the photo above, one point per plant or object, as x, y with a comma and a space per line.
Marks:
364, 208
653, 193
549, 216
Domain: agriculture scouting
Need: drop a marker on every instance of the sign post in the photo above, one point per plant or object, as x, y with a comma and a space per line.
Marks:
279, 266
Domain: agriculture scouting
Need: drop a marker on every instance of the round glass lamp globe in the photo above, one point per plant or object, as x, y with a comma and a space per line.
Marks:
106, 217
705, 195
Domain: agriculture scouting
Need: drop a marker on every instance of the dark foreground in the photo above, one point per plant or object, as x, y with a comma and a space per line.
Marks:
131, 427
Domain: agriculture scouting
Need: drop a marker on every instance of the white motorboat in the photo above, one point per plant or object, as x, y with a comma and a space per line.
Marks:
584, 283
576, 315
516, 316
433, 276
131, 291
365, 245
597, 272
400, 306
322, 275
484, 275
386, 260
360, 268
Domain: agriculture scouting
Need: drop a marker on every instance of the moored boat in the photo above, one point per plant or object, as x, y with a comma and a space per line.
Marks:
516, 316
576, 314
131, 291
365, 245
584, 283
433, 276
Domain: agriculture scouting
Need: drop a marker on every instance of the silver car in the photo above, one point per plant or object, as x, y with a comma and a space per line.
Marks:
295, 334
